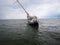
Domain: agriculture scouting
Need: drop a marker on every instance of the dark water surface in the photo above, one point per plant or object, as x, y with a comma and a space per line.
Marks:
17, 32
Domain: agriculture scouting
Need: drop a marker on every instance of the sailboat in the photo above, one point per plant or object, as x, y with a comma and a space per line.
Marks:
32, 20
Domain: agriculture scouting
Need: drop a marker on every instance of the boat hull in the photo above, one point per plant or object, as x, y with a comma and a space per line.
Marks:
33, 24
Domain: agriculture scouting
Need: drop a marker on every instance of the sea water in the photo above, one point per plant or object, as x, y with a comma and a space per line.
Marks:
18, 32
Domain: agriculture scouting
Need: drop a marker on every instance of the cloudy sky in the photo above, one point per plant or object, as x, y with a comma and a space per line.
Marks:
10, 9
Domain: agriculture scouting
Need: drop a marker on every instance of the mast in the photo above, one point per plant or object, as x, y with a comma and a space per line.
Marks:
23, 8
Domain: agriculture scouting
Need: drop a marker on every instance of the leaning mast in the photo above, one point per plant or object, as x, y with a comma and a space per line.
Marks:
23, 8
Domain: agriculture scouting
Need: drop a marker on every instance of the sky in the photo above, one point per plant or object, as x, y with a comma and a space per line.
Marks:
10, 9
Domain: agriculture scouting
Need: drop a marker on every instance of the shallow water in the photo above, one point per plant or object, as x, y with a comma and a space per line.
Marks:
17, 32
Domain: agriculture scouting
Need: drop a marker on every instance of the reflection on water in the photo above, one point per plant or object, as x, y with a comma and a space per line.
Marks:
35, 27
17, 32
